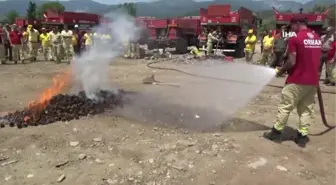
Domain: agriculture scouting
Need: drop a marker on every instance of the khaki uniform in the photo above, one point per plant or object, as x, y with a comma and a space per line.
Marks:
67, 44
249, 47
331, 71
211, 38
24, 48
2, 54
33, 45
56, 44
16, 49
326, 46
88, 37
300, 97
134, 50
268, 44
126, 48
128, 52
45, 41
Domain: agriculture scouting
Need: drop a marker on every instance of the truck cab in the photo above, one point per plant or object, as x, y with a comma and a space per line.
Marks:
85, 21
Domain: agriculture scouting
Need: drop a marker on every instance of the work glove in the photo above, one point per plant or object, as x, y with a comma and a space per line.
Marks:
277, 72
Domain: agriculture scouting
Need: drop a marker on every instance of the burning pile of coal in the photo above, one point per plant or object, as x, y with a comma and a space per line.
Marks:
63, 108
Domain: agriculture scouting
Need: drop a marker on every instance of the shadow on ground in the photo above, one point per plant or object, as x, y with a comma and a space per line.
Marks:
178, 115
242, 125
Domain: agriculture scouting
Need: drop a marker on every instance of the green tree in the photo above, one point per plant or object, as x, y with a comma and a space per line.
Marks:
318, 8
11, 16
55, 5
3, 20
31, 11
322, 8
268, 24
129, 8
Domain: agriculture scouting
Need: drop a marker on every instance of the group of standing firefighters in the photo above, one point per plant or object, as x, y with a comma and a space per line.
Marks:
23, 44
274, 49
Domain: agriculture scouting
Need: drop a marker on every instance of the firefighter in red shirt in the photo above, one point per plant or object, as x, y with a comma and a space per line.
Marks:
302, 82
331, 68
15, 38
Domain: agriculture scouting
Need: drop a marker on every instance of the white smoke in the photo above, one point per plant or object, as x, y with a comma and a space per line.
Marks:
90, 70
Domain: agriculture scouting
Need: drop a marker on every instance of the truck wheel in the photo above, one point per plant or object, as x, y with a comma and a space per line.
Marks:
150, 45
240, 49
181, 46
143, 41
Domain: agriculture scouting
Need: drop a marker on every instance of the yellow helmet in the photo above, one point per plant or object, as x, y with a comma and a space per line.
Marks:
250, 31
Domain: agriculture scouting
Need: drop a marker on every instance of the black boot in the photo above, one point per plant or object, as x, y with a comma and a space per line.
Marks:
326, 82
274, 135
301, 140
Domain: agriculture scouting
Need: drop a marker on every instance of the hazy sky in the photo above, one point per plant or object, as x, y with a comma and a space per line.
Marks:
123, 1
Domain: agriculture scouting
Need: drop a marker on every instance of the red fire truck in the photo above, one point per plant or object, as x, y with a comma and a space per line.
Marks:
231, 25
142, 23
178, 33
51, 17
83, 20
315, 20
22, 22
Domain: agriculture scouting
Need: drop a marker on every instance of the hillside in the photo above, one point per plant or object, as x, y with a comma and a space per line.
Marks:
319, 2
165, 8
72, 5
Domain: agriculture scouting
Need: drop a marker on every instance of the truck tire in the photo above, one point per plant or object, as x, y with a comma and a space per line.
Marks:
151, 45
181, 46
240, 48
193, 41
143, 38
143, 41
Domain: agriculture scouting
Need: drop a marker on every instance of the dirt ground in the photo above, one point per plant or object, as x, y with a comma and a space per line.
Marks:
114, 150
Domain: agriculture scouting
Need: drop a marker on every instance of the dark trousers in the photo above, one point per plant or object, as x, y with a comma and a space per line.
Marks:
77, 49
323, 61
8, 50
278, 59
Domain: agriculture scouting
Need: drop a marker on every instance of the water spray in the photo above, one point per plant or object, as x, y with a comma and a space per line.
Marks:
319, 91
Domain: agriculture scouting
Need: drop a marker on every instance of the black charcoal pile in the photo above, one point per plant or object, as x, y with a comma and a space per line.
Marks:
64, 108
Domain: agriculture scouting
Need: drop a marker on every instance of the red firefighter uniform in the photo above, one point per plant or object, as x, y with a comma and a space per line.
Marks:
301, 84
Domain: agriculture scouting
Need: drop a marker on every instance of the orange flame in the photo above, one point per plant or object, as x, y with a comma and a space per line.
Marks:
59, 83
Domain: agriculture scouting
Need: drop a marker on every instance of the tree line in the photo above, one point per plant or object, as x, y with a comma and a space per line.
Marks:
269, 23
35, 12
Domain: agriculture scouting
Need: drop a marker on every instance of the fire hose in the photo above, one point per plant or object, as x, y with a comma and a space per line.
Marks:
319, 91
